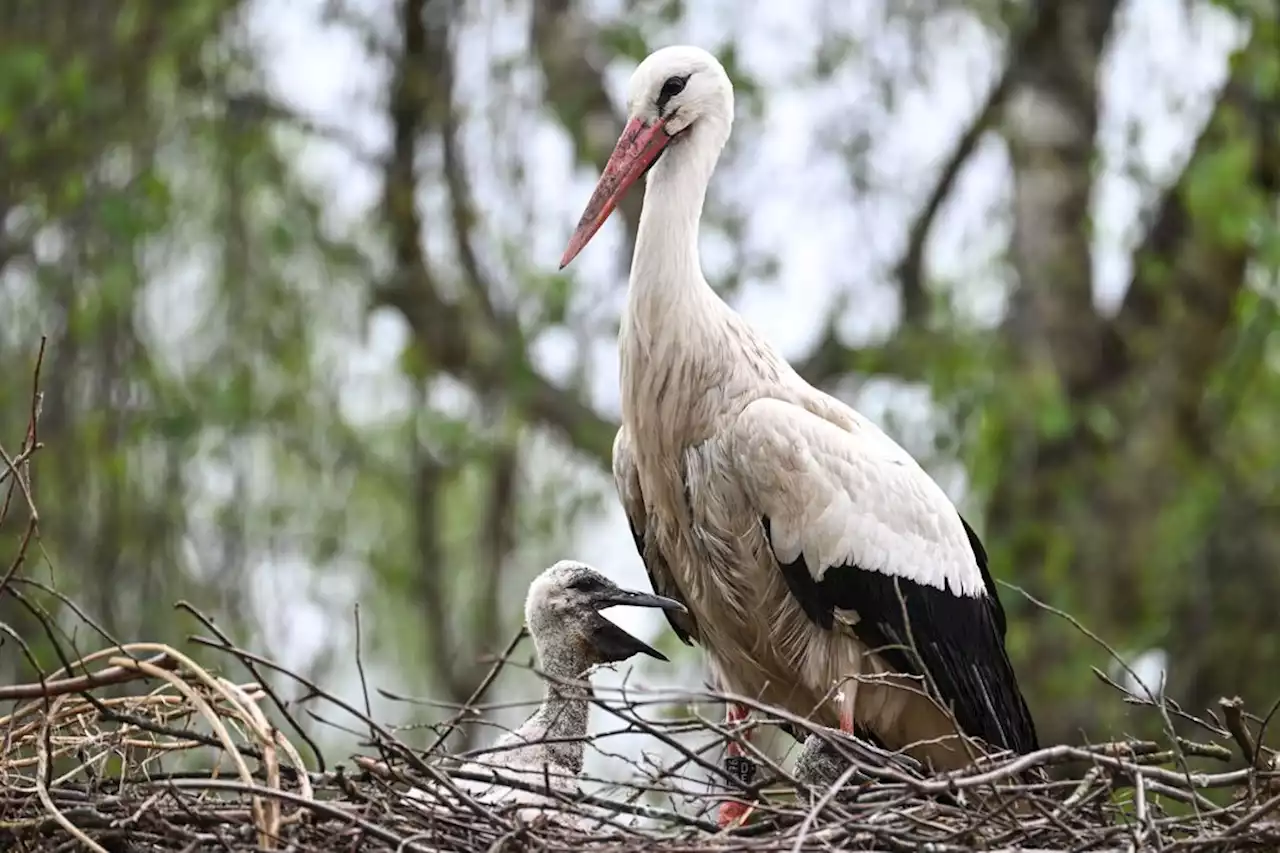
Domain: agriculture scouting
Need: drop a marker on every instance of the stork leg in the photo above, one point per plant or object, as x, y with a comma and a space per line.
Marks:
737, 763
846, 720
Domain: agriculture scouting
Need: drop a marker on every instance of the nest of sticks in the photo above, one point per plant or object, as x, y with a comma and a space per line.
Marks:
144, 747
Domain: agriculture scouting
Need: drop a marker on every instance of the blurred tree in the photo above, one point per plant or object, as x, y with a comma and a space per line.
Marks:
1106, 452
210, 436
198, 308
85, 106
1110, 504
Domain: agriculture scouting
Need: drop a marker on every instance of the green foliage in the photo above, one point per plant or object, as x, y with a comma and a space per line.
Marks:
209, 418
1220, 194
625, 40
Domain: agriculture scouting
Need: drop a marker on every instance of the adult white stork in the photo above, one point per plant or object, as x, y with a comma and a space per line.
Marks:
814, 555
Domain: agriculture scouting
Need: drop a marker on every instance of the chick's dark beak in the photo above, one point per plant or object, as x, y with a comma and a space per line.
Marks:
631, 598
616, 645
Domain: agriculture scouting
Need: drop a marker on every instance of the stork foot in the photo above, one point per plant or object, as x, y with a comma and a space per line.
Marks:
823, 760
734, 814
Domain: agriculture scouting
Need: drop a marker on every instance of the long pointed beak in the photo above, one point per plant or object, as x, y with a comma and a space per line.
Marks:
636, 150
631, 598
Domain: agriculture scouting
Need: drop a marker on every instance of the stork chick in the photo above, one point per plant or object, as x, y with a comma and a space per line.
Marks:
570, 637
810, 548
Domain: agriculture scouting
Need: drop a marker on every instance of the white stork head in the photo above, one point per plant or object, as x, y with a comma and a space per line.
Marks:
562, 611
679, 101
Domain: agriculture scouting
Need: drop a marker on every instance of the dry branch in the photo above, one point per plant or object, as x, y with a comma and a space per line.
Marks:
189, 759
144, 747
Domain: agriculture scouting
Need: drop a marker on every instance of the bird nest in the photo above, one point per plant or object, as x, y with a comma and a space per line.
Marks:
140, 747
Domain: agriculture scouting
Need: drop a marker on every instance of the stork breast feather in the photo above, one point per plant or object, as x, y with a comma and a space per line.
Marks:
841, 498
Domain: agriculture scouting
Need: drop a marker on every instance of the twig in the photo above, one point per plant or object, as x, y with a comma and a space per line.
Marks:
78, 770
1233, 716
481, 689
112, 675
281, 706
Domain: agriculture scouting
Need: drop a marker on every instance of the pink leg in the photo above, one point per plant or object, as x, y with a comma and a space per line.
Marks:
733, 812
846, 721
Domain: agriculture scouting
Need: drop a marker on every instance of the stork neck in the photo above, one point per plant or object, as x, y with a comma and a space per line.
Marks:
561, 721
561, 654
665, 265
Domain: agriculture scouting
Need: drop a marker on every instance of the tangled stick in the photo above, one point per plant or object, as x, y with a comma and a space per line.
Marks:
145, 747
91, 768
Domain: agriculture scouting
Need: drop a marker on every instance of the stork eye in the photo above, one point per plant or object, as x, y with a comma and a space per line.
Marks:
584, 583
671, 88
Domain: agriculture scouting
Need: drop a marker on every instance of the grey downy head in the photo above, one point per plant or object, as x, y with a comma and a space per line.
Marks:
563, 608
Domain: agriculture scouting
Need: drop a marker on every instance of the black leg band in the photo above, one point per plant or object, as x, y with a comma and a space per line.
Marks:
741, 768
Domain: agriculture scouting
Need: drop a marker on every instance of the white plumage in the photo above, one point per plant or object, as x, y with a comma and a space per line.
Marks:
840, 494
809, 548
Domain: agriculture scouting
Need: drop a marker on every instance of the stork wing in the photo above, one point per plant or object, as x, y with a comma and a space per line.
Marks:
857, 526
627, 480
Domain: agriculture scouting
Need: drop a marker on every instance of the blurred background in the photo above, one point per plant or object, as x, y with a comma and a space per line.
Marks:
308, 346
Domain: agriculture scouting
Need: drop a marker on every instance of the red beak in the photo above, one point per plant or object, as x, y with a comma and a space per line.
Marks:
636, 150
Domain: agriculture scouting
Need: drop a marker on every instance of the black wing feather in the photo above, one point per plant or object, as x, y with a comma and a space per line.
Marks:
981, 554
959, 640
